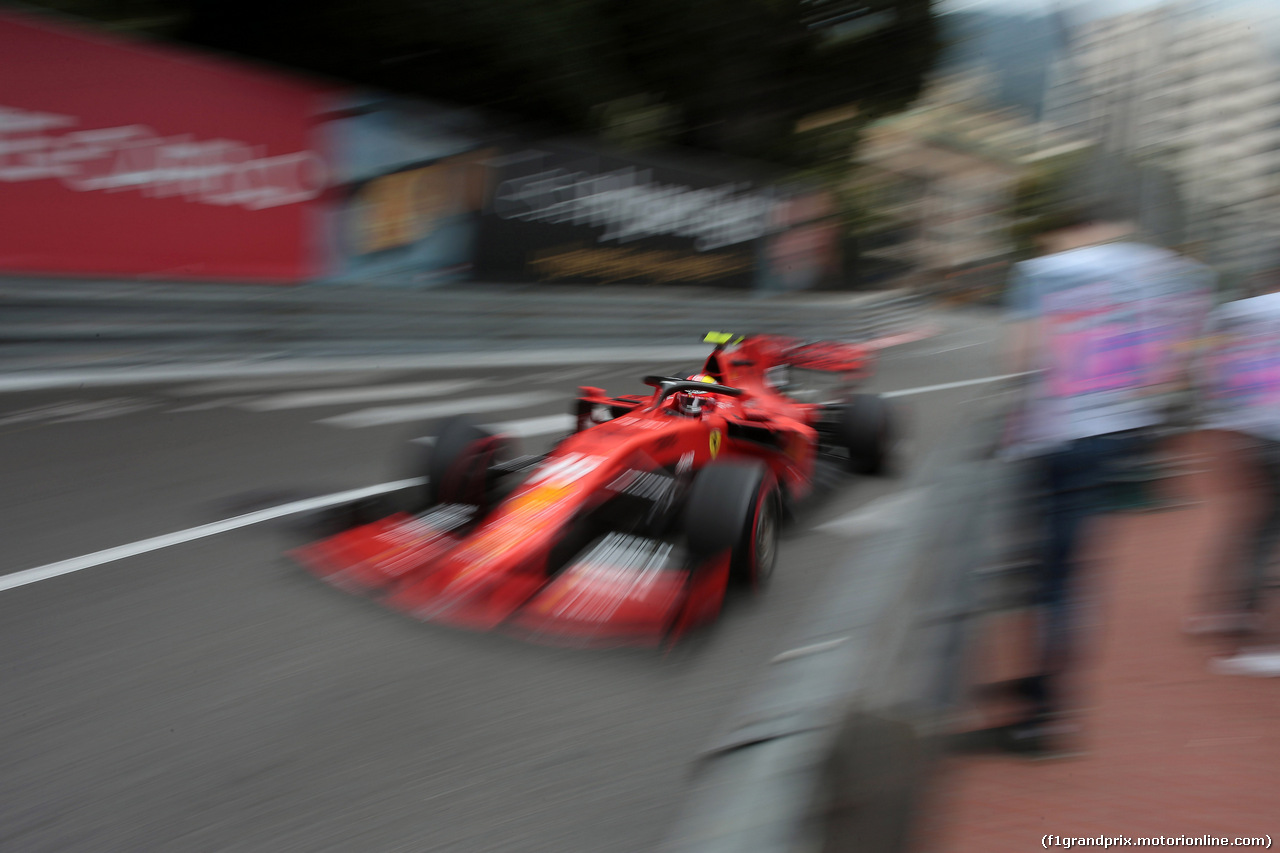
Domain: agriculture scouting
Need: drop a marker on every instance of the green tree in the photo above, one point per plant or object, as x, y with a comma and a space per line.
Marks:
731, 76
1044, 191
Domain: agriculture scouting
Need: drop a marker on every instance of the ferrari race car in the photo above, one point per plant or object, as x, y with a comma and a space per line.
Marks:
630, 530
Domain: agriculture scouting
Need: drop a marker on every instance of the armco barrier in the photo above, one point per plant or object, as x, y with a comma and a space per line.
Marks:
34, 312
833, 750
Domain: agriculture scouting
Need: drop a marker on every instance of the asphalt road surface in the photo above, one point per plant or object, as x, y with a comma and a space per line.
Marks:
210, 696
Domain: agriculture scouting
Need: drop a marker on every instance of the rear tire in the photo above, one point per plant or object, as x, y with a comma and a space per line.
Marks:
865, 429
736, 506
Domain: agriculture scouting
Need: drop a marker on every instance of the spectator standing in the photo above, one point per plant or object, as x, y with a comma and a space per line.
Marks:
1103, 327
1241, 385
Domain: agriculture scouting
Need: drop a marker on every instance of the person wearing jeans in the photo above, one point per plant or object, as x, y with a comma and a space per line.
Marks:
1103, 327
1077, 482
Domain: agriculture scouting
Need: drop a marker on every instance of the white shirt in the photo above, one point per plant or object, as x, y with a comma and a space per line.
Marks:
1114, 323
1241, 367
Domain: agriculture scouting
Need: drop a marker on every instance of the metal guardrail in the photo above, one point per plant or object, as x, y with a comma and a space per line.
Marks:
408, 321
833, 750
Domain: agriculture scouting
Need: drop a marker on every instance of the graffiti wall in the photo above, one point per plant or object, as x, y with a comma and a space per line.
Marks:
561, 213
409, 186
802, 251
125, 158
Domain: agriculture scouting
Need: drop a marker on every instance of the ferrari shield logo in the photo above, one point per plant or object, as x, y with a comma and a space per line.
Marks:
715, 443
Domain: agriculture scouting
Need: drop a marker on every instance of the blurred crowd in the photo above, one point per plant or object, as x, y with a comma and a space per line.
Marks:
1120, 345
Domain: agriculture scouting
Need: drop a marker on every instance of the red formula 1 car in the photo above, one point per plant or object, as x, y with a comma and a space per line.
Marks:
629, 531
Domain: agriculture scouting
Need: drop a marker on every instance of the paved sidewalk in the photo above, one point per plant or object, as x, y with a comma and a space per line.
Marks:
1170, 749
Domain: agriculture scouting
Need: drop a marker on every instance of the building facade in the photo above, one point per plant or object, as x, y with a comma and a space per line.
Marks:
1195, 95
940, 179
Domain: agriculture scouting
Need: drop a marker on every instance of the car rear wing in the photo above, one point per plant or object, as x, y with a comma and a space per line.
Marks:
779, 350
830, 357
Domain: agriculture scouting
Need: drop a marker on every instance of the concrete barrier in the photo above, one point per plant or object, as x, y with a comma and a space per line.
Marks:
833, 749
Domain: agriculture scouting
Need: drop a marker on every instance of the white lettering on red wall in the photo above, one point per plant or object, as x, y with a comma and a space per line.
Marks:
38, 146
630, 205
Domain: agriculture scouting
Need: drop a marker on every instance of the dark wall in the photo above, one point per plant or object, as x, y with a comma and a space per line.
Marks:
567, 212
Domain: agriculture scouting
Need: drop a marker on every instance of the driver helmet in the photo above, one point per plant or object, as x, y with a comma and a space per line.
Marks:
693, 402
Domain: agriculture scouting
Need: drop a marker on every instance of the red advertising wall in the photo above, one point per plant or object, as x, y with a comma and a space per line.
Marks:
122, 158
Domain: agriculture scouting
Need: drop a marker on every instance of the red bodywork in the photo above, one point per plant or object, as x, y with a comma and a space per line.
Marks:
510, 571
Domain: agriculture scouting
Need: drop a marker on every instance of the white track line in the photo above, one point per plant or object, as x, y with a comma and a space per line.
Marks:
383, 415
882, 513
526, 428
530, 427
40, 380
902, 338
210, 404
559, 375
925, 389
133, 549
813, 649
277, 384
344, 396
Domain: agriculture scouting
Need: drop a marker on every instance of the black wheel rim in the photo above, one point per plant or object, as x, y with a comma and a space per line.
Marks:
766, 540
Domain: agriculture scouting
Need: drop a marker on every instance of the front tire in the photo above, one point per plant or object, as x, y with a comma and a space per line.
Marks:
736, 506
459, 468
